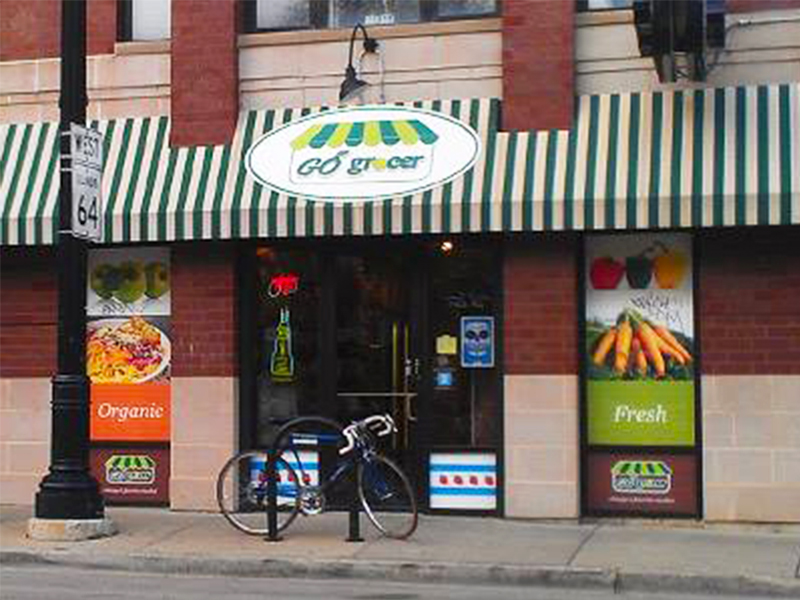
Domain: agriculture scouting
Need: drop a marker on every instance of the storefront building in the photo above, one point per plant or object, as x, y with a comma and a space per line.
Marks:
574, 288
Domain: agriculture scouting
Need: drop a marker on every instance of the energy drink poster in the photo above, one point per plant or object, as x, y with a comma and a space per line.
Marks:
639, 347
477, 342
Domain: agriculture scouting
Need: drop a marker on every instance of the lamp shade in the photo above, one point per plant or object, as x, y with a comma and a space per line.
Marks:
351, 85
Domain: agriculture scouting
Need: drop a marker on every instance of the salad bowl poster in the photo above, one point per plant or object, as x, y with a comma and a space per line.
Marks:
639, 345
128, 347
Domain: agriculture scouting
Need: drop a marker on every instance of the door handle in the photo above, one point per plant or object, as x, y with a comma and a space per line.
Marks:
411, 369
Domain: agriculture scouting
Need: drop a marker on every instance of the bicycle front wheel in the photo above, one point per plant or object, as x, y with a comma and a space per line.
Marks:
387, 497
242, 492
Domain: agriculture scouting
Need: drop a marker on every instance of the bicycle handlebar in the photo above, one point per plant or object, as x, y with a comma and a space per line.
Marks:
351, 432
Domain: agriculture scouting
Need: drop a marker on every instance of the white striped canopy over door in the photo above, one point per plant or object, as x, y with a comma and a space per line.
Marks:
678, 159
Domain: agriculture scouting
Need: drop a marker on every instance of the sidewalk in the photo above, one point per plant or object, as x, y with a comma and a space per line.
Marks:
750, 560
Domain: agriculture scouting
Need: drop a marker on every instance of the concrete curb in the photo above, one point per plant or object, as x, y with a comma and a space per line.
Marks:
70, 530
477, 573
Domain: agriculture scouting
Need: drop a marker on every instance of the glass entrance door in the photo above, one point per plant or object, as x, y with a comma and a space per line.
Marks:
377, 341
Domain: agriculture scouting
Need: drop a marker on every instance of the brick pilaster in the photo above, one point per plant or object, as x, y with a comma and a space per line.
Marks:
203, 311
538, 64
205, 100
541, 307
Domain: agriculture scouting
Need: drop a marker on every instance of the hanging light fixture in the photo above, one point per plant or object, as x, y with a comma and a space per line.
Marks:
352, 86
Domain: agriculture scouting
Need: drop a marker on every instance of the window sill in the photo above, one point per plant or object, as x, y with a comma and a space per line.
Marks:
131, 48
380, 32
604, 17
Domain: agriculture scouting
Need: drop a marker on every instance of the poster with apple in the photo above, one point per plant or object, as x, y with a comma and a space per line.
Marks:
639, 340
125, 282
128, 349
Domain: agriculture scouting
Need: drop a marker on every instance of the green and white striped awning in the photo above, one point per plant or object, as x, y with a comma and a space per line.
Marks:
678, 159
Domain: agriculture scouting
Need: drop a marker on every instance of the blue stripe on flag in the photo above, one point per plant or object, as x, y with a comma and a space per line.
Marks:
463, 468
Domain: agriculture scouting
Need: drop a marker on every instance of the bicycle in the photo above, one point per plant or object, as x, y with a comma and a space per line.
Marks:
304, 478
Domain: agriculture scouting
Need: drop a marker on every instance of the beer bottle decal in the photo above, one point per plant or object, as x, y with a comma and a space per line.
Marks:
281, 364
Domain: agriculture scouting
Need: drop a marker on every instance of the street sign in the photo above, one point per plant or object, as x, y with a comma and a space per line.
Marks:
86, 146
87, 217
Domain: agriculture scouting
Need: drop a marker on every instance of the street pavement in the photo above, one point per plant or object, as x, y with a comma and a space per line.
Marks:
617, 555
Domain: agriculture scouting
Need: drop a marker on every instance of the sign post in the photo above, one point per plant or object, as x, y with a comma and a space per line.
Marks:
86, 147
68, 491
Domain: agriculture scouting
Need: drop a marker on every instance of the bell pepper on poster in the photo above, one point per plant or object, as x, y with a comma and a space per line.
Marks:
639, 270
670, 268
606, 273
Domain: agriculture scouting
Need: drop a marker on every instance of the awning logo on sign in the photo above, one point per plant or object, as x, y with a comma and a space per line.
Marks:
128, 469
641, 477
363, 153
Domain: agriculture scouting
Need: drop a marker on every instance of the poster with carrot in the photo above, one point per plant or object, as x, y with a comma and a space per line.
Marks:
639, 313
639, 340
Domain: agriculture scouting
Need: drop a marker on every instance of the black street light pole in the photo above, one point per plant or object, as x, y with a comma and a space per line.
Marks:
69, 491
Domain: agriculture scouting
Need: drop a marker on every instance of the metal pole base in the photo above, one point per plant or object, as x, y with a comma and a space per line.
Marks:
69, 491
54, 502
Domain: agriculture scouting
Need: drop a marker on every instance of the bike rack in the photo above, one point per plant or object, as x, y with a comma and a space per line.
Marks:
354, 522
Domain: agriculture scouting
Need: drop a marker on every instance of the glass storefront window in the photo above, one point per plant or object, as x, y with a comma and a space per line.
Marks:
586, 5
346, 13
283, 14
287, 352
467, 399
464, 8
353, 330
265, 15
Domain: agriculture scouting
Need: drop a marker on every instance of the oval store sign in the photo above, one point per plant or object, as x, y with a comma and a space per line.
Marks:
363, 153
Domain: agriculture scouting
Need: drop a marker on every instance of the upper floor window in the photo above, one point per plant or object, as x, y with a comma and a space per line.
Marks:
144, 20
584, 5
270, 15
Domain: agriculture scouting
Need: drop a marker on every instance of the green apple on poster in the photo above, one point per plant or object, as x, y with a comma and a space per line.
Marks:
130, 281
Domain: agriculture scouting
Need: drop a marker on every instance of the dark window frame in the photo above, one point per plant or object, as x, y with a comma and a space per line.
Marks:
319, 13
124, 20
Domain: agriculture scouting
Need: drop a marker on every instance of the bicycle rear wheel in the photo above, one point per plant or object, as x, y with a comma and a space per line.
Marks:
387, 497
242, 492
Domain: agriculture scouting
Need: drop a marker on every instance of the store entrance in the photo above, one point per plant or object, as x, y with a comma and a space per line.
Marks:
377, 337
339, 335
345, 330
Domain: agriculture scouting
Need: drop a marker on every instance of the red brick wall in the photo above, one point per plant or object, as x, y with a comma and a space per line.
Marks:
740, 6
31, 29
541, 307
28, 312
538, 64
205, 100
749, 305
101, 26
203, 311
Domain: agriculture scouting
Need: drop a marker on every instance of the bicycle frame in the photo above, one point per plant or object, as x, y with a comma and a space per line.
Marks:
361, 453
